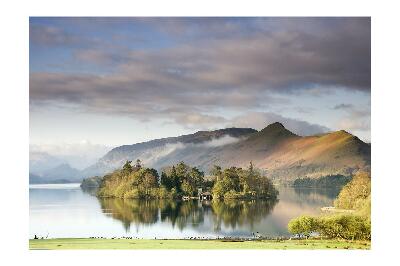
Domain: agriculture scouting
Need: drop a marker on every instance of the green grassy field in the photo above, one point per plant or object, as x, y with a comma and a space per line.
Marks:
87, 243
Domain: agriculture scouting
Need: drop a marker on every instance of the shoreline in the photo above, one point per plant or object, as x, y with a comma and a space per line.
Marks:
123, 243
336, 210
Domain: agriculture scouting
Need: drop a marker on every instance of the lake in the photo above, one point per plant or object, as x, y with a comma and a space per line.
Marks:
65, 210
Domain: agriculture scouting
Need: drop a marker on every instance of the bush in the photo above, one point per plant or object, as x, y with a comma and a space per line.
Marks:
303, 226
349, 227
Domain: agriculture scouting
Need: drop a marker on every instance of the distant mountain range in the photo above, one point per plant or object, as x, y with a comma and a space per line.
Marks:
42, 161
62, 173
283, 155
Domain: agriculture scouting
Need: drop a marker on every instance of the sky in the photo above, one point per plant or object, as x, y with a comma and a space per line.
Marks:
113, 80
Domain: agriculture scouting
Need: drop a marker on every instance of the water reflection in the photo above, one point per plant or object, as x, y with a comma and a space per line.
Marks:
234, 214
180, 214
71, 212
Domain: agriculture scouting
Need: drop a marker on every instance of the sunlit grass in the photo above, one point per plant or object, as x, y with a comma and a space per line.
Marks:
87, 243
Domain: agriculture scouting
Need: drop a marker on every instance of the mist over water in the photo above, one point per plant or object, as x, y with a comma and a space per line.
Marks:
67, 211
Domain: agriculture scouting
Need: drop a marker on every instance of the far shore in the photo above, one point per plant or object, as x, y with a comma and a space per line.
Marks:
334, 209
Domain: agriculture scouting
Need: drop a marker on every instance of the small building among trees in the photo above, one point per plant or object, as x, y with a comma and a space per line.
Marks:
205, 196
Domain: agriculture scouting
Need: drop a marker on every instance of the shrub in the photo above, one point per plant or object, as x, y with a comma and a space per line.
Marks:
349, 227
303, 226
294, 227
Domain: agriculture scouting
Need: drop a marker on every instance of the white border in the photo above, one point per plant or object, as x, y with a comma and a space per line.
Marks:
15, 131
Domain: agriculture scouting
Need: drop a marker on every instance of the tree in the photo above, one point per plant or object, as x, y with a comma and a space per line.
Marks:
187, 188
356, 193
196, 177
138, 164
216, 171
127, 168
149, 180
175, 179
182, 171
219, 190
231, 178
166, 181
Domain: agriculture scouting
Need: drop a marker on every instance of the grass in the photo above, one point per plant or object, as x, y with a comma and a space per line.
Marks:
88, 243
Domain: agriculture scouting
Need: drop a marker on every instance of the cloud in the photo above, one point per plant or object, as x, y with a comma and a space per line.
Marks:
343, 106
155, 155
356, 118
196, 119
210, 64
51, 36
355, 124
259, 120
222, 141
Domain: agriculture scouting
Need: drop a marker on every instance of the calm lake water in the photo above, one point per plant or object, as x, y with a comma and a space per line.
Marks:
64, 210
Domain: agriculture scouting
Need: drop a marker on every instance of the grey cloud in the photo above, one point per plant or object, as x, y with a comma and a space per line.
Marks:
282, 53
343, 106
139, 97
240, 69
51, 36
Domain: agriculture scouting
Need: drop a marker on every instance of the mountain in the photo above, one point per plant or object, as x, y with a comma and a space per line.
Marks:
162, 152
35, 179
282, 154
62, 173
42, 161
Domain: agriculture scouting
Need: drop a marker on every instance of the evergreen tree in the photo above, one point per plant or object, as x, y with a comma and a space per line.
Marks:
127, 168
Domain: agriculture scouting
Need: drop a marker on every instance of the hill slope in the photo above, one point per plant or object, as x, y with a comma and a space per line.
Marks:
283, 154
166, 151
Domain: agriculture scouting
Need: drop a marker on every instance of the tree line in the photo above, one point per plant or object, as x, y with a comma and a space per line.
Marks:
324, 181
184, 180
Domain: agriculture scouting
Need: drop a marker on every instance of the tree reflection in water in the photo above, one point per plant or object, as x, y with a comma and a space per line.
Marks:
235, 213
130, 211
192, 213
